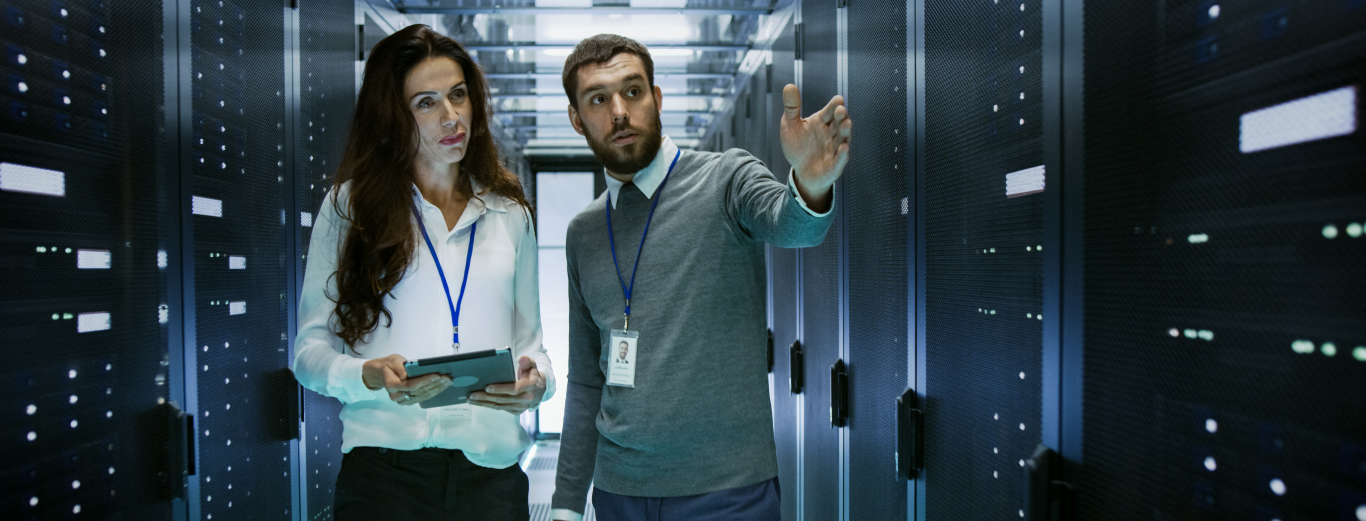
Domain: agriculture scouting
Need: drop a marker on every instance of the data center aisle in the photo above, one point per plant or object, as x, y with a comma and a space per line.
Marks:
539, 463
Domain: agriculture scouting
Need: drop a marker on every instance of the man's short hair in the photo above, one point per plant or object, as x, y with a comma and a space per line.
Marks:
601, 49
623, 343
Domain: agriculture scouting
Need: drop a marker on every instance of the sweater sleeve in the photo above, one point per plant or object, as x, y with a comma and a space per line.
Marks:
765, 209
320, 362
579, 436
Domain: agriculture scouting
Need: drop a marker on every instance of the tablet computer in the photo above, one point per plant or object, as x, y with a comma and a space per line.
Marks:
469, 372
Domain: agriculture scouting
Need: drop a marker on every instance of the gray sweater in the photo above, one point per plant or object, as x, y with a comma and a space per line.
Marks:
698, 419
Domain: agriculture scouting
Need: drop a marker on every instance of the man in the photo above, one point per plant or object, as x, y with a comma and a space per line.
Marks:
622, 350
672, 256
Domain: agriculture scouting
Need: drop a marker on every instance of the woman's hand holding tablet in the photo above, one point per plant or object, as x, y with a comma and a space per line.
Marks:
514, 397
388, 373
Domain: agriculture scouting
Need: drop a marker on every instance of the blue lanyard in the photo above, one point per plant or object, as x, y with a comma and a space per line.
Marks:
659, 194
469, 255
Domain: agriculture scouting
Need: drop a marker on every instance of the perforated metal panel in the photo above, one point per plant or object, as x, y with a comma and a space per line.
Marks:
783, 273
878, 291
1225, 372
241, 234
820, 286
84, 200
983, 283
327, 98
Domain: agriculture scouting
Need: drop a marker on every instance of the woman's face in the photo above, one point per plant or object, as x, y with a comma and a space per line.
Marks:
440, 101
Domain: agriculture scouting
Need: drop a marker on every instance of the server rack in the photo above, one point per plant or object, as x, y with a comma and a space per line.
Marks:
1223, 211
328, 52
87, 188
983, 228
821, 287
877, 212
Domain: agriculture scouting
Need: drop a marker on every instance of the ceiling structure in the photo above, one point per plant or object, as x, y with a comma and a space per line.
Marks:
702, 51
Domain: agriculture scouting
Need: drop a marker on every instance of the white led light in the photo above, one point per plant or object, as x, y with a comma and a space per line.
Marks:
72, 399
88, 322
237, 307
22, 59
306, 219
1321, 116
1210, 465
102, 53
1211, 426
1330, 232
163, 314
237, 262
28, 179
1174, 332
1354, 230
23, 87
1213, 11
1359, 353
94, 259
32, 435
31, 409
1206, 335
1361, 511
33, 501
1022, 375
1277, 486
1329, 349
1302, 346
1198, 238
206, 206
161, 258
71, 374
1025, 182
66, 74
1190, 333
63, 12
1022, 69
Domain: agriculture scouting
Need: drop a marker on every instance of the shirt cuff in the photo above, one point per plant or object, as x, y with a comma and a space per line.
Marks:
345, 380
565, 514
792, 188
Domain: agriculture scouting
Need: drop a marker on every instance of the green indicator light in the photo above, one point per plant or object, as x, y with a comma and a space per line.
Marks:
1329, 349
1359, 353
1302, 346
1354, 230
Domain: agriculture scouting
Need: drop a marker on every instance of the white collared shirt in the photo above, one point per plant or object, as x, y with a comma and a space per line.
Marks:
649, 178
501, 309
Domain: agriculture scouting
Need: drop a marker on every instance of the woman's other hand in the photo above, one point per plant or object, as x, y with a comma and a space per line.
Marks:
388, 373
515, 397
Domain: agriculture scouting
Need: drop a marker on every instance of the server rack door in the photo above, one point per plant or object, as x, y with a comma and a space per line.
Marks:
784, 290
983, 270
87, 198
877, 233
241, 236
327, 97
820, 279
1225, 371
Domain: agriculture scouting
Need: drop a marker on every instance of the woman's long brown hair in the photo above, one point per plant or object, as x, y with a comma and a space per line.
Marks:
380, 242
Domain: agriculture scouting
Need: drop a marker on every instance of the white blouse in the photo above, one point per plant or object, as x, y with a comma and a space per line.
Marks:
501, 309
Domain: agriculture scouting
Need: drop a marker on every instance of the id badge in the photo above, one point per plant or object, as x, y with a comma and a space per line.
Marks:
621, 358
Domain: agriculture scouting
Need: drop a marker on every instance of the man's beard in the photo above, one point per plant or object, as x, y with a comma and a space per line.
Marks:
632, 158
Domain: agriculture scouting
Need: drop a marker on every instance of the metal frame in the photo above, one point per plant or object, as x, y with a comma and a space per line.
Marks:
1053, 278
800, 300
916, 112
176, 125
182, 258
842, 89
1073, 252
914, 87
298, 446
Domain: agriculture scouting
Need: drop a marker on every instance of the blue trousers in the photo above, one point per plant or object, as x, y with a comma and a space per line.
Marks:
758, 502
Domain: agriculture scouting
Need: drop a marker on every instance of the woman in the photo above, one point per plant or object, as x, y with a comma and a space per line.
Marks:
421, 195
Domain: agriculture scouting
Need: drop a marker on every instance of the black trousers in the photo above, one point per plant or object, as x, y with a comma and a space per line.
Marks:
428, 485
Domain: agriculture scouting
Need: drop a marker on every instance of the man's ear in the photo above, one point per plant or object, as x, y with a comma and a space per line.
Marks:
574, 120
659, 99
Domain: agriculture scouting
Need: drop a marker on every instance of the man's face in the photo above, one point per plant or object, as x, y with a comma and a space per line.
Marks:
618, 113
622, 350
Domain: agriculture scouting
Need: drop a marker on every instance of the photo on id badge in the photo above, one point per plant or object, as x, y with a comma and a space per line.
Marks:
621, 356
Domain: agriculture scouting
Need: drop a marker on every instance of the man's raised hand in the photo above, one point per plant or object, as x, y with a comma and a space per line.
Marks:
817, 147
